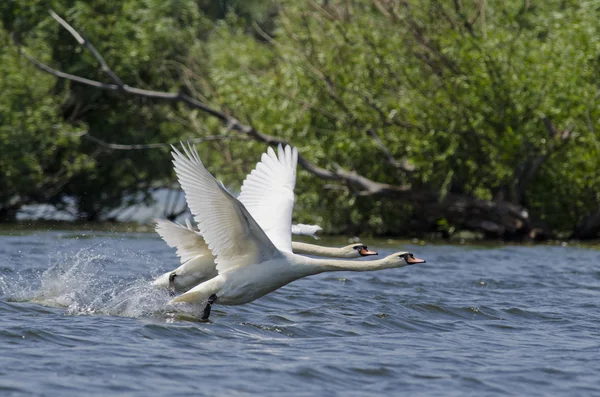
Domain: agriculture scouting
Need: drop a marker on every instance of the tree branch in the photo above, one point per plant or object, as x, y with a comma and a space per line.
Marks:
495, 218
118, 146
82, 41
533, 163
367, 186
404, 165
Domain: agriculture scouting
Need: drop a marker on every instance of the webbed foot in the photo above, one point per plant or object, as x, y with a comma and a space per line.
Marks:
206, 312
172, 289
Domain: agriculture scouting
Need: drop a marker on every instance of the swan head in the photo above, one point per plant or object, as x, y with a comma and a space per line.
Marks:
174, 282
405, 259
166, 280
357, 250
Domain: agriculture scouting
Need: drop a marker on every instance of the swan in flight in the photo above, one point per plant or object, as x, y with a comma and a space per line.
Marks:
252, 261
268, 194
198, 263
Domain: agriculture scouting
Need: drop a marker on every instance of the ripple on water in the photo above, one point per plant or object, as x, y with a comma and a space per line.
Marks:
79, 315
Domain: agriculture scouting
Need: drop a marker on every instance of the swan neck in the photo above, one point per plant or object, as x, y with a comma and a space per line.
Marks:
317, 250
333, 265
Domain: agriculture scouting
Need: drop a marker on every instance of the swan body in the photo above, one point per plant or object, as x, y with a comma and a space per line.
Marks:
198, 264
250, 261
268, 195
251, 282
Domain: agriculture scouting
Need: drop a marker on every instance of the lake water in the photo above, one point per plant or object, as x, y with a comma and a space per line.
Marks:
78, 318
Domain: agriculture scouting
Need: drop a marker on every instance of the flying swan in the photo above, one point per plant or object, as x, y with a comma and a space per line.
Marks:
198, 263
250, 264
268, 194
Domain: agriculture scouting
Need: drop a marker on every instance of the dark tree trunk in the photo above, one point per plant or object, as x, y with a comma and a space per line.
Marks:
588, 228
8, 214
496, 219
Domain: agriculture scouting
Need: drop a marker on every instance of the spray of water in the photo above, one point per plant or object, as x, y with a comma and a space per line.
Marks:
90, 280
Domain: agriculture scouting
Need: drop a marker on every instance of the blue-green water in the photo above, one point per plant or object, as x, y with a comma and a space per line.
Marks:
78, 318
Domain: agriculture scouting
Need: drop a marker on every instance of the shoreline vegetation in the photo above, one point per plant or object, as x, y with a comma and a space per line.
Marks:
83, 229
413, 118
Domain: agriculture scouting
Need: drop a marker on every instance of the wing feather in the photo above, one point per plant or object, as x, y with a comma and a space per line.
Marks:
189, 243
231, 233
268, 194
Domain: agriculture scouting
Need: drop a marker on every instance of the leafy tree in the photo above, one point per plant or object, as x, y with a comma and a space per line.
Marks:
485, 100
39, 149
424, 115
145, 42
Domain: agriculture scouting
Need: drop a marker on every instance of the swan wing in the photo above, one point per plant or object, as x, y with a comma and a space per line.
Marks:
189, 243
306, 230
268, 194
231, 233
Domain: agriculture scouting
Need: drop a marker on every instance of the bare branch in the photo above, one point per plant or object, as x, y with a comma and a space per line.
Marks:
67, 76
533, 163
404, 165
82, 41
365, 186
458, 7
118, 146
495, 218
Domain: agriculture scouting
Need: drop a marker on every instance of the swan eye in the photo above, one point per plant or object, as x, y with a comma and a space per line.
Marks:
360, 247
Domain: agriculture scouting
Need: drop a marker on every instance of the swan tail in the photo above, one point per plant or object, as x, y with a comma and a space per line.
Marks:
201, 292
190, 297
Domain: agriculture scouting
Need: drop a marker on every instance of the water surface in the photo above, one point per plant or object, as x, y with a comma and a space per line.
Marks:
78, 318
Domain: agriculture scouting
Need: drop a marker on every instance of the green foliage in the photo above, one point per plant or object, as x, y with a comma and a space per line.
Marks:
478, 106
39, 150
500, 102
145, 43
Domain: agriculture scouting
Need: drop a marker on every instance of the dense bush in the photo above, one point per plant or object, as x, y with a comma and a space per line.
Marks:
496, 101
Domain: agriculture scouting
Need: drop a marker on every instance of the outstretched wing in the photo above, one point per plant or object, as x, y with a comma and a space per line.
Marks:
229, 230
268, 194
189, 243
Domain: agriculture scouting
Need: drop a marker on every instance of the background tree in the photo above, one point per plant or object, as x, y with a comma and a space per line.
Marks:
415, 116
462, 99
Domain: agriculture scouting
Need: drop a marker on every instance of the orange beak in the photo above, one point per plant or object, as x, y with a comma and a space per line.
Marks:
411, 260
366, 252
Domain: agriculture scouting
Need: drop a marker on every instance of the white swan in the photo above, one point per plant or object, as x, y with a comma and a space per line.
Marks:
198, 263
268, 194
250, 264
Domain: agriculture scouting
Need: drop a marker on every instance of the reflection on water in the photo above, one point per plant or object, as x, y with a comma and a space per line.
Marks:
80, 318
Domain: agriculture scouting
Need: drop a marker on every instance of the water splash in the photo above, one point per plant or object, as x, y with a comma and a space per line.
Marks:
87, 281
77, 281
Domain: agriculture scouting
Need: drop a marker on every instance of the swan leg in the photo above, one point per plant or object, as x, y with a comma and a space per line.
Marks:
172, 289
206, 313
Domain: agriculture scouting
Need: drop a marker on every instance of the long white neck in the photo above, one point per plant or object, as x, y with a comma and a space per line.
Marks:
316, 266
317, 250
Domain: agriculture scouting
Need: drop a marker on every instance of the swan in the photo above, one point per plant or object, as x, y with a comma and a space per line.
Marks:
268, 194
198, 263
249, 263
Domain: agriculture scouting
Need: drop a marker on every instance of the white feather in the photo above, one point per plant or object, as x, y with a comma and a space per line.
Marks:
268, 194
248, 264
189, 243
229, 230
